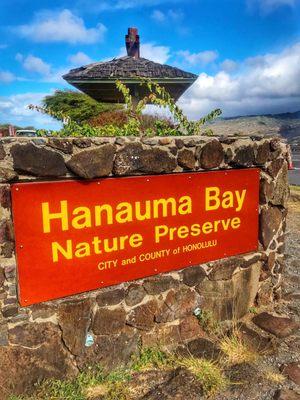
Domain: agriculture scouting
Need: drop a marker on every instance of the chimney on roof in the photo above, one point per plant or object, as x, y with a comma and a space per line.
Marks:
132, 40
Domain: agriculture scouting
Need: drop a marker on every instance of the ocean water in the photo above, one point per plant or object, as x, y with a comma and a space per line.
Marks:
294, 175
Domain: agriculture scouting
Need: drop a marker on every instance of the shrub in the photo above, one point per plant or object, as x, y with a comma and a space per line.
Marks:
132, 122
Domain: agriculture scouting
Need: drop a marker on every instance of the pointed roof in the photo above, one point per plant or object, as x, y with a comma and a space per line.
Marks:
98, 79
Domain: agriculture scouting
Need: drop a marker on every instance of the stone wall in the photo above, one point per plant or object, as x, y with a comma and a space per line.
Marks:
58, 338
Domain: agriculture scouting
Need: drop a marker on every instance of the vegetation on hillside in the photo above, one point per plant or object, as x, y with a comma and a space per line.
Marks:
131, 121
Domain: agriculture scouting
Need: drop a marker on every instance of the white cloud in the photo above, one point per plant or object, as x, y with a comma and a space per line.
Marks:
201, 58
14, 110
80, 59
269, 83
6, 77
111, 5
34, 64
168, 16
151, 51
268, 6
61, 26
158, 16
229, 65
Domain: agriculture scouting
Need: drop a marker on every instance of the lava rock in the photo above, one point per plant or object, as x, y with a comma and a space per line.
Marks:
286, 395
211, 155
270, 221
263, 153
192, 276
292, 370
108, 322
186, 159
63, 145
93, 163
278, 326
142, 317
38, 161
134, 158
244, 157
74, 321
156, 285
134, 294
110, 297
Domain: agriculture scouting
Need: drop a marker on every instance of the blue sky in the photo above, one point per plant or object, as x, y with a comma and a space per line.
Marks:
246, 52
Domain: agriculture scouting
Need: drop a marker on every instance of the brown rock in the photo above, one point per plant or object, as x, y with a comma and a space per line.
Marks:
189, 328
203, 348
74, 319
31, 335
179, 143
292, 370
142, 317
163, 335
109, 322
134, 158
270, 221
5, 199
38, 161
263, 153
192, 276
231, 298
110, 351
275, 167
6, 231
82, 142
146, 381
63, 145
93, 163
281, 190
278, 326
256, 341
110, 297
244, 156
178, 304
10, 311
134, 294
224, 269
271, 260
286, 395
158, 284
22, 367
182, 385
265, 190
211, 155
186, 159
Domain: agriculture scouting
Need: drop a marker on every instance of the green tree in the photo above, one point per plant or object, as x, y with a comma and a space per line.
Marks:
78, 106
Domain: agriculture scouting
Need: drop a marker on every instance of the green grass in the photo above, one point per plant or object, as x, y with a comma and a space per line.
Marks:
209, 373
149, 358
77, 388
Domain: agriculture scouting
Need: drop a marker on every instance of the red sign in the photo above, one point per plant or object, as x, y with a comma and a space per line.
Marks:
75, 236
